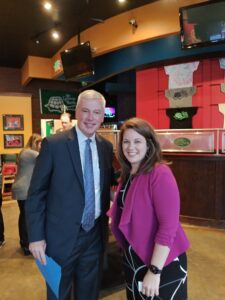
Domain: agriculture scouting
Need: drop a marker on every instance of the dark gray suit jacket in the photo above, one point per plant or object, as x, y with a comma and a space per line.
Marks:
56, 195
26, 163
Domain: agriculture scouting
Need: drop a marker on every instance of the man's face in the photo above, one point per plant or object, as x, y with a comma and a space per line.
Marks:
66, 124
89, 115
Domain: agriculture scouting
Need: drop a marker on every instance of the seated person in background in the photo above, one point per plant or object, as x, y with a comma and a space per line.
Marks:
66, 122
26, 163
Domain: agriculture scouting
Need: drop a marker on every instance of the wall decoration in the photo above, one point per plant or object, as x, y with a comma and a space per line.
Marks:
13, 140
181, 75
181, 97
13, 122
181, 117
57, 102
222, 110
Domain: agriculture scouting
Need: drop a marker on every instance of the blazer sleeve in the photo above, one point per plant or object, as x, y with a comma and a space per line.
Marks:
37, 194
166, 201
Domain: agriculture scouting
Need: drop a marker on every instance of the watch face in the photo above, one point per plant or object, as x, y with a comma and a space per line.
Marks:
154, 269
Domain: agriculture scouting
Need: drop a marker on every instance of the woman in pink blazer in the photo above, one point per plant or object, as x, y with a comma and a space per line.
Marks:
145, 218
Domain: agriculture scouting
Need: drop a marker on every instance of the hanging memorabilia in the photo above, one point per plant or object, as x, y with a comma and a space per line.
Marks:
57, 102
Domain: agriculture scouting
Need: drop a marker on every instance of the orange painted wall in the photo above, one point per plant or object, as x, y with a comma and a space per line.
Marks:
36, 67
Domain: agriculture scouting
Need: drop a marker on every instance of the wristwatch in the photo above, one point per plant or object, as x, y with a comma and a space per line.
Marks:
155, 270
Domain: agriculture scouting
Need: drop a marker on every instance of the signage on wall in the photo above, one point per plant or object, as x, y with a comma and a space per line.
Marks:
57, 102
57, 65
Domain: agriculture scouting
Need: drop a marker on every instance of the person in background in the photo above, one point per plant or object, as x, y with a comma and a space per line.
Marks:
145, 218
2, 237
25, 163
68, 199
66, 122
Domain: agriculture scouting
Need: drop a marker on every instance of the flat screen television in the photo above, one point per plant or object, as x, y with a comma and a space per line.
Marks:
202, 24
77, 62
110, 113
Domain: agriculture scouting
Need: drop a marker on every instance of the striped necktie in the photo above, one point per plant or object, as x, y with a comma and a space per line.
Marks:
88, 218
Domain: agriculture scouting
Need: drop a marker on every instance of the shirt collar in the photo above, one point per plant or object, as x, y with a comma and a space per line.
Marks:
81, 137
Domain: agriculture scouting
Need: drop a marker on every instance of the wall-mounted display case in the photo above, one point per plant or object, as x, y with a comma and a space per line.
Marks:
222, 134
199, 140
206, 140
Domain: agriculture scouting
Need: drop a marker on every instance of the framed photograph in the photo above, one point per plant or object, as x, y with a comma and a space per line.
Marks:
13, 122
13, 141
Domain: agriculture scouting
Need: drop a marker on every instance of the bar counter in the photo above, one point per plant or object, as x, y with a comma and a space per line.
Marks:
201, 181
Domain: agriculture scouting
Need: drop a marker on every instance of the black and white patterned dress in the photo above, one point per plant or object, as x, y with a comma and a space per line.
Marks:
173, 281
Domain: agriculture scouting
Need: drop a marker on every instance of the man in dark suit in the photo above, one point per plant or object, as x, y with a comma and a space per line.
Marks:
57, 201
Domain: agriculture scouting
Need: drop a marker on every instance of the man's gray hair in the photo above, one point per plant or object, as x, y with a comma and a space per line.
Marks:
91, 94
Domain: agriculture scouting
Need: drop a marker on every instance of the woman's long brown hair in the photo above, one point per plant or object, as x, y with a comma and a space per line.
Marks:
153, 154
33, 142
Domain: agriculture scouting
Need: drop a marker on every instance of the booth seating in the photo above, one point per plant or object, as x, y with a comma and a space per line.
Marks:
9, 170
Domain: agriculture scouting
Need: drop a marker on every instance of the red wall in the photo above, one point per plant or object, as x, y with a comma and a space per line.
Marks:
151, 101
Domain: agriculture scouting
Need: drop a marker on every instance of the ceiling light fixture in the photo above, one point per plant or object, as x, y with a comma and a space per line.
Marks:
47, 5
36, 39
121, 1
55, 35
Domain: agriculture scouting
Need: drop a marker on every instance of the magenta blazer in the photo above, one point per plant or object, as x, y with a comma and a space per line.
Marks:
150, 215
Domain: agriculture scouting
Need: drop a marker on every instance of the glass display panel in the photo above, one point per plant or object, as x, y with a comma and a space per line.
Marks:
186, 141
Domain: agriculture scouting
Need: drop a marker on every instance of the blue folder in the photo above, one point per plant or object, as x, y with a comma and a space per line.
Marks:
51, 273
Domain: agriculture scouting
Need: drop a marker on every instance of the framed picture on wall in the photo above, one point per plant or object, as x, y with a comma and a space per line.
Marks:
13, 141
13, 122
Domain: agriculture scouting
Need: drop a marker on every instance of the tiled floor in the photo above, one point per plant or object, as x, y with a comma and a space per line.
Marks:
20, 279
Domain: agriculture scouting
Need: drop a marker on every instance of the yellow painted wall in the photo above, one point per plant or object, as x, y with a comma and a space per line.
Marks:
19, 105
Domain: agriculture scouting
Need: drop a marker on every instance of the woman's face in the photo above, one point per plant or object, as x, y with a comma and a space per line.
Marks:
134, 148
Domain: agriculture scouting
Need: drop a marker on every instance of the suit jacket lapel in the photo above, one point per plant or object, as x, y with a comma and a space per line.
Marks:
73, 147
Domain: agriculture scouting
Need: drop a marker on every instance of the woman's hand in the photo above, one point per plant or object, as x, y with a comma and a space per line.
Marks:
150, 286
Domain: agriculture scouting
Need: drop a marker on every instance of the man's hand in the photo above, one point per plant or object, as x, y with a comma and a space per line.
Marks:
38, 251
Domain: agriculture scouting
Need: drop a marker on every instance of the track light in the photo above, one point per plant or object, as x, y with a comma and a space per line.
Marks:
55, 35
53, 30
36, 39
47, 5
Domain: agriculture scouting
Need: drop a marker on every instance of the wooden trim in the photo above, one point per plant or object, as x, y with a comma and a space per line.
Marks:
16, 94
202, 222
